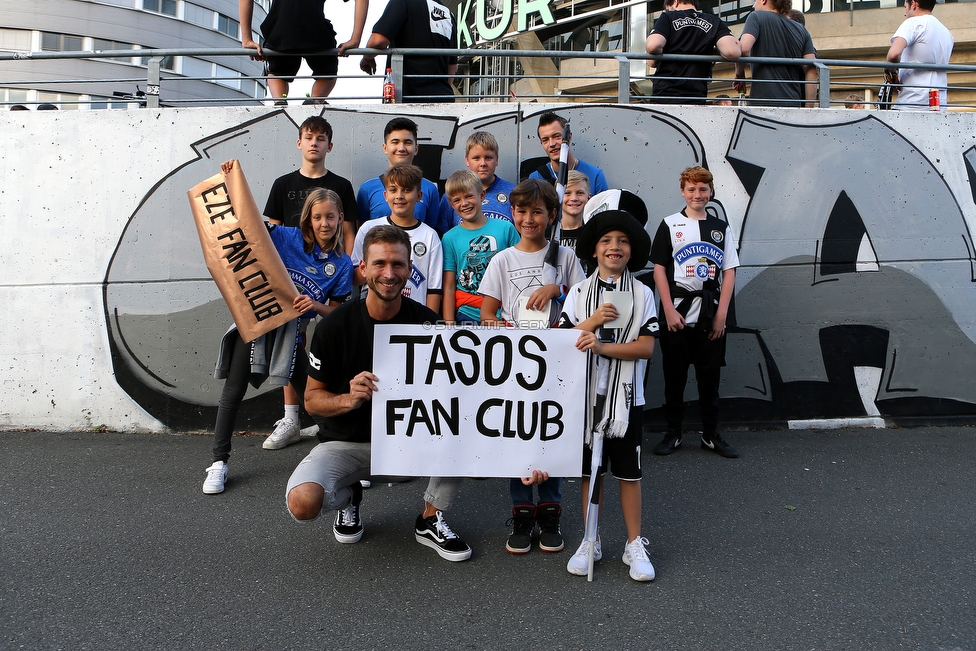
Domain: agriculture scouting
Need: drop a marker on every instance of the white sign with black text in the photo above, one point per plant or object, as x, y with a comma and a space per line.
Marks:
477, 402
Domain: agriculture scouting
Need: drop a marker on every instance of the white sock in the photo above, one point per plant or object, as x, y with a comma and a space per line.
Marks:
291, 412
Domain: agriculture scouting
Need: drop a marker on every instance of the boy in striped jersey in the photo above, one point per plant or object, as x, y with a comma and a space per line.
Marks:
695, 257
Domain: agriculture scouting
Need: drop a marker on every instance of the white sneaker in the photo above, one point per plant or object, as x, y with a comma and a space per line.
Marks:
579, 564
216, 476
635, 555
285, 433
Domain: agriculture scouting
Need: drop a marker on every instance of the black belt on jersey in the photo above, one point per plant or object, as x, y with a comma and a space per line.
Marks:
708, 294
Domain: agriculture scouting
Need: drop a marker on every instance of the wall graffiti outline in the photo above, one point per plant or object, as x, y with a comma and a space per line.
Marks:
802, 347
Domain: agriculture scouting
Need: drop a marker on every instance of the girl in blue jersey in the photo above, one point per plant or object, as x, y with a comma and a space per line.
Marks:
322, 272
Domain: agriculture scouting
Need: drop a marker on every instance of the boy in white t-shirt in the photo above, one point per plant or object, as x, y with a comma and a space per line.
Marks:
528, 286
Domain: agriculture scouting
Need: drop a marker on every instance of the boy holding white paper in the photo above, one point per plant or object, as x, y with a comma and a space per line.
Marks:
616, 315
528, 286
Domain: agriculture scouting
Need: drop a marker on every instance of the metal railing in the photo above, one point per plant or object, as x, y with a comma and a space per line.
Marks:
622, 87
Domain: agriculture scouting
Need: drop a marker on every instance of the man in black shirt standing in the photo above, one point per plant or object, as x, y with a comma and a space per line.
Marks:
683, 29
420, 24
340, 389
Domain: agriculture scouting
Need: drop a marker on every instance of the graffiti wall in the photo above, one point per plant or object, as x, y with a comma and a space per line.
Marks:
856, 296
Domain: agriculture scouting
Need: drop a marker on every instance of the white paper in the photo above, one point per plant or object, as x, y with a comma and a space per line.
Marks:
528, 318
624, 302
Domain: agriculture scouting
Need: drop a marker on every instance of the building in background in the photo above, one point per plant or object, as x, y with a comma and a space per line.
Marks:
859, 29
93, 25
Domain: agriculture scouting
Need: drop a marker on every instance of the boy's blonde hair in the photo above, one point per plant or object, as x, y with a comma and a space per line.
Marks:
317, 196
575, 177
462, 181
483, 139
406, 176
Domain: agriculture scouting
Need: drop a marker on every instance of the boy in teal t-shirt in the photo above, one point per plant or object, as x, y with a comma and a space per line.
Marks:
469, 246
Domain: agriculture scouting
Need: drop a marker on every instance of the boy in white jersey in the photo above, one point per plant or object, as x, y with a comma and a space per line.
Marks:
402, 191
694, 258
615, 314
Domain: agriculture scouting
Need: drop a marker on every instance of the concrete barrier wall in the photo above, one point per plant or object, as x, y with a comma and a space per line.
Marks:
855, 297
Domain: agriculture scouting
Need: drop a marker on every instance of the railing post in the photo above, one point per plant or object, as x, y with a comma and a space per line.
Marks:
823, 91
623, 80
152, 82
396, 67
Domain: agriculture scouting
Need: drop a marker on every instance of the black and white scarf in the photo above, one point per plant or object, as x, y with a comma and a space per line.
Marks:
620, 372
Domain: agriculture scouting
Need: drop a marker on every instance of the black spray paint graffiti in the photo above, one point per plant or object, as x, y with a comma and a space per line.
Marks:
857, 262
844, 285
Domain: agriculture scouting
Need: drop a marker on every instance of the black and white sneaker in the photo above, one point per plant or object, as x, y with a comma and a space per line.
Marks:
523, 524
550, 538
348, 527
436, 534
717, 444
670, 443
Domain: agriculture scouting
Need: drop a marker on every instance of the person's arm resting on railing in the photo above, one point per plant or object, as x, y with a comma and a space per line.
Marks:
812, 77
375, 42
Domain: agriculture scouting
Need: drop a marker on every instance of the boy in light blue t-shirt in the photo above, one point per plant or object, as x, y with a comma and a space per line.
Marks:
469, 246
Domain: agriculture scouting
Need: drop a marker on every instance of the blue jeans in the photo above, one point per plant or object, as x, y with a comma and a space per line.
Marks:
551, 490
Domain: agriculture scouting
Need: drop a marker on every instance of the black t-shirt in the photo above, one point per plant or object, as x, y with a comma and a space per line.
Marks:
288, 193
341, 348
687, 32
568, 238
295, 25
777, 36
421, 24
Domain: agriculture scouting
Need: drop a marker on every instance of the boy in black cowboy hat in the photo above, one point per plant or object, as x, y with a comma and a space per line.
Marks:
618, 320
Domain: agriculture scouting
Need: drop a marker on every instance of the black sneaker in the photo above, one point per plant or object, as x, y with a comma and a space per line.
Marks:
716, 444
435, 533
523, 524
550, 539
670, 443
348, 527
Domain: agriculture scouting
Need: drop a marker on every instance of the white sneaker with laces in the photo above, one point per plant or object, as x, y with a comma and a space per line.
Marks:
579, 564
635, 555
216, 476
286, 432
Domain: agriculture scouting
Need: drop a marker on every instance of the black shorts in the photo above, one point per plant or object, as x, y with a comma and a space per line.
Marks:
286, 67
621, 456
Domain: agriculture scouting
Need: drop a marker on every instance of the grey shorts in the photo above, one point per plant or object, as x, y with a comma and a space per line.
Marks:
335, 466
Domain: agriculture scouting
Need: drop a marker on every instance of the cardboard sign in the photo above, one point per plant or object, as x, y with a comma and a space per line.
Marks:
240, 255
477, 402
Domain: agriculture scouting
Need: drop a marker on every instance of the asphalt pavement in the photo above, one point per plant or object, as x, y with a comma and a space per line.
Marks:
852, 539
